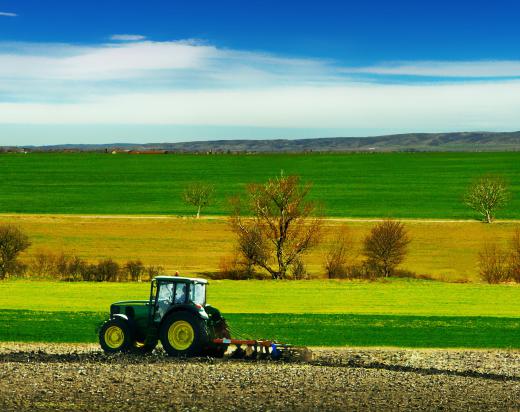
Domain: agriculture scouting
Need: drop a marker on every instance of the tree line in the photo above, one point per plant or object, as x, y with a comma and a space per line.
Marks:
275, 225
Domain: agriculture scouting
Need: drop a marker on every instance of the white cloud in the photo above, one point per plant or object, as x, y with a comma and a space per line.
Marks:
468, 69
193, 83
6, 14
127, 37
468, 106
110, 61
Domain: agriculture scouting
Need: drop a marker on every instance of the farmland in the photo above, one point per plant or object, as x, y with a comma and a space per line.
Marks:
315, 313
444, 250
413, 185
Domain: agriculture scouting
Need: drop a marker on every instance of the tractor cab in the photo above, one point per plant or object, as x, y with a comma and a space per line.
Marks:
177, 293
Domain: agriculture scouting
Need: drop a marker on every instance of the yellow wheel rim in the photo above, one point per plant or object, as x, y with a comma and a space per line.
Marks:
114, 337
180, 335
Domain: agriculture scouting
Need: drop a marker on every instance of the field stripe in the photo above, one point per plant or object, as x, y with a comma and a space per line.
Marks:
299, 329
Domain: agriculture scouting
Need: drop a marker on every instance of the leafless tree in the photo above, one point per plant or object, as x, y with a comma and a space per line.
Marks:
486, 195
493, 265
386, 246
338, 254
12, 242
282, 224
198, 194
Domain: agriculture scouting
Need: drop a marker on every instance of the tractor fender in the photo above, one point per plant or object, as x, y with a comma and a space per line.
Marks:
187, 308
130, 321
120, 315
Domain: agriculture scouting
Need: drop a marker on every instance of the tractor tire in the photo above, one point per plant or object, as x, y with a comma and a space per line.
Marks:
116, 336
184, 335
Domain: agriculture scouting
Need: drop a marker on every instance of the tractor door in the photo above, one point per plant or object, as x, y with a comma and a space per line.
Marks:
168, 294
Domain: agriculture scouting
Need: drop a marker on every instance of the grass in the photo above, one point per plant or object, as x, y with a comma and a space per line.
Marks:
313, 313
445, 250
395, 297
299, 329
424, 185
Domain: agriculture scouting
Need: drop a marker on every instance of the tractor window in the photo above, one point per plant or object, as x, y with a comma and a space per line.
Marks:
180, 293
165, 292
198, 293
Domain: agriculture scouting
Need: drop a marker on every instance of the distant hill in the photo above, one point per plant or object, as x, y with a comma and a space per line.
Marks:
460, 141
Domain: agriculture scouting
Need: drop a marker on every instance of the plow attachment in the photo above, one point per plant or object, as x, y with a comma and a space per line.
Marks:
266, 349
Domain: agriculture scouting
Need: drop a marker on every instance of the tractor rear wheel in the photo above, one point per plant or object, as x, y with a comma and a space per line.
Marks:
183, 334
115, 336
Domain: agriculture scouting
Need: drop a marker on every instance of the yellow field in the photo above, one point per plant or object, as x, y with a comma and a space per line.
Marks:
446, 250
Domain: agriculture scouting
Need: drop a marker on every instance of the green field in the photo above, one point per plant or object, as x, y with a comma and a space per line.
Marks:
405, 313
424, 185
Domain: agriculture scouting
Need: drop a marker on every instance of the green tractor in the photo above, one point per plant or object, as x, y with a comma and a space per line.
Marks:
176, 314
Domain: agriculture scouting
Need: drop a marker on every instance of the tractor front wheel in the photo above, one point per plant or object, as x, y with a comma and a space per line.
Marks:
115, 336
183, 334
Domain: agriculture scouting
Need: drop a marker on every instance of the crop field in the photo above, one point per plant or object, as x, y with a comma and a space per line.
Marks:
414, 185
314, 313
444, 250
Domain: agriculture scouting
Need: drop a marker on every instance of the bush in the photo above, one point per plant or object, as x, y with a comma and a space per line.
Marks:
107, 271
43, 264
493, 264
386, 246
12, 242
134, 270
298, 270
231, 267
337, 256
153, 271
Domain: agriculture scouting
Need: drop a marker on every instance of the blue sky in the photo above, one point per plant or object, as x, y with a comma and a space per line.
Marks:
106, 71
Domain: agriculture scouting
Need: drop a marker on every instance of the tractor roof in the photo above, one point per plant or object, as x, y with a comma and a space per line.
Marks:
180, 279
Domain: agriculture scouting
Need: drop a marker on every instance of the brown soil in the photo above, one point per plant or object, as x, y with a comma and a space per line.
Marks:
79, 377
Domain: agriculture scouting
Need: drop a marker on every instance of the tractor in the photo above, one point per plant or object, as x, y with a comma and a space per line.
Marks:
175, 314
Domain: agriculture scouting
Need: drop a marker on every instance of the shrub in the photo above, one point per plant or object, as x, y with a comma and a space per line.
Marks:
386, 246
231, 267
134, 270
298, 270
337, 256
43, 264
12, 242
493, 263
153, 271
107, 271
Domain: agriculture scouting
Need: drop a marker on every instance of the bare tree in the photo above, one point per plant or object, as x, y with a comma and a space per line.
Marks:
338, 254
282, 225
493, 263
12, 242
486, 195
198, 194
386, 246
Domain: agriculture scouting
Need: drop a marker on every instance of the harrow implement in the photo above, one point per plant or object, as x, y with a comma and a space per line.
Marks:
265, 349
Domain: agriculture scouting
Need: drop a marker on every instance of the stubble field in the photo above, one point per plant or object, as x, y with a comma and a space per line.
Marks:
444, 250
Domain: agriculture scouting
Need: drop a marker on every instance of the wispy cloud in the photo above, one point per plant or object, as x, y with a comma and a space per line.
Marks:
194, 83
127, 37
468, 69
6, 14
